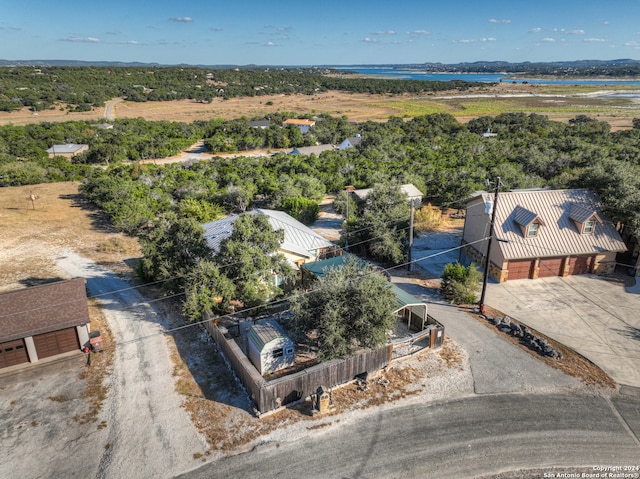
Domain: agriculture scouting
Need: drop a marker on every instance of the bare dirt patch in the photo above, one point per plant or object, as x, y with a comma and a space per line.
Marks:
35, 232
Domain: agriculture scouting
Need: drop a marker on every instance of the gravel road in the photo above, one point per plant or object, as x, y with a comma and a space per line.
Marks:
149, 434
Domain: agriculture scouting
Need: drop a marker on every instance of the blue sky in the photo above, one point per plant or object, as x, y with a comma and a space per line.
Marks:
329, 32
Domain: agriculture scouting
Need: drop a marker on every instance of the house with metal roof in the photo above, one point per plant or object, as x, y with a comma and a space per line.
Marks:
69, 150
270, 349
301, 244
413, 193
302, 124
541, 233
260, 124
43, 321
311, 150
350, 142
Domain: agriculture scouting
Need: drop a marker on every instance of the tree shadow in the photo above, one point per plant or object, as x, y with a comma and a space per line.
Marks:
35, 281
629, 332
213, 376
99, 220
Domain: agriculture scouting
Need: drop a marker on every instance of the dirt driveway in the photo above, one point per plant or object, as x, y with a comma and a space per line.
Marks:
596, 317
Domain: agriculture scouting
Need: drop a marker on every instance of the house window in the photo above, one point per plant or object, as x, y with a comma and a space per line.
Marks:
277, 353
532, 230
289, 351
588, 227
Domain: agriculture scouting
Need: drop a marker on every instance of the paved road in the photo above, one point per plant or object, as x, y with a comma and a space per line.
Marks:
108, 109
471, 437
497, 365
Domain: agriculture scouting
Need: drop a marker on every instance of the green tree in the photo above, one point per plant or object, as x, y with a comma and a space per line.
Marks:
300, 208
380, 227
171, 250
207, 290
249, 257
349, 308
459, 284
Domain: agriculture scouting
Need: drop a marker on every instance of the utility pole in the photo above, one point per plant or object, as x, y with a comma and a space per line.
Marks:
487, 262
409, 262
347, 190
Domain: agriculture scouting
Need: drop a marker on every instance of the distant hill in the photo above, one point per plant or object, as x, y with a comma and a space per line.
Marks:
588, 68
562, 67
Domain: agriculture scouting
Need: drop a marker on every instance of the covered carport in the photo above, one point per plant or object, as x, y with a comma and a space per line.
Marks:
410, 309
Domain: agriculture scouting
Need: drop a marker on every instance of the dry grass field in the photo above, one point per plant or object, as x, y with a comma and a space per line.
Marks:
35, 233
559, 103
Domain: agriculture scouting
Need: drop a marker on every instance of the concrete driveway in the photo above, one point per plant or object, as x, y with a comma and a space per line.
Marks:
596, 317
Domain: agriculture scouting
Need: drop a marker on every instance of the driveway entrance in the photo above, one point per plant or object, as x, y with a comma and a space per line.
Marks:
598, 318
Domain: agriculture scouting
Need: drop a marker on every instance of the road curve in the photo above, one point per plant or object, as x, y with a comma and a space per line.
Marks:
471, 437
108, 109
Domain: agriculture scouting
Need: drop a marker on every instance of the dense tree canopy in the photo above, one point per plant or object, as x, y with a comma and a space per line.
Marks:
349, 308
250, 259
82, 88
380, 224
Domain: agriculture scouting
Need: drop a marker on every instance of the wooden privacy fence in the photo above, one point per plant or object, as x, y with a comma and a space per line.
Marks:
272, 394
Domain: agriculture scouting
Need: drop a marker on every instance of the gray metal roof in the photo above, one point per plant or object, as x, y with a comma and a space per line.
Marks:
265, 331
298, 238
525, 217
68, 148
581, 214
309, 150
260, 123
559, 236
410, 190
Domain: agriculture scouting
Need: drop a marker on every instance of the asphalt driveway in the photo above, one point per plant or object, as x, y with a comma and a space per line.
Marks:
596, 317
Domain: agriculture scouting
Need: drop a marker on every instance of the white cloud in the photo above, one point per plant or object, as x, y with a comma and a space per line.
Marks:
549, 40
217, 29
370, 40
271, 44
504, 22
465, 41
535, 30
81, 39
419, 32
594, 40
632, 43
576, 32
386, 32
490, 39
181, 19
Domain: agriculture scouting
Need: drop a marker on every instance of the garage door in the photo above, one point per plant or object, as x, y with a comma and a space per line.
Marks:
12, 353
581, 264
56, 342
550, 267
519, 269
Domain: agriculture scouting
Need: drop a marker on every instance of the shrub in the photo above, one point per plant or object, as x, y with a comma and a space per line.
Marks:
428, 218
459, 284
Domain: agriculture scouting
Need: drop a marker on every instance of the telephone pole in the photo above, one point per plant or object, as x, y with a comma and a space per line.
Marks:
487, 261
409, 261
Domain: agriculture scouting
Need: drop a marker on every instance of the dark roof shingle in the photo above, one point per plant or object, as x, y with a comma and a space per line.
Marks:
40, 309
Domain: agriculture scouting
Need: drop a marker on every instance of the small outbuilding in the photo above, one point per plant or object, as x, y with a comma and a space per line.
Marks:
270, 349
43, 321
69, 150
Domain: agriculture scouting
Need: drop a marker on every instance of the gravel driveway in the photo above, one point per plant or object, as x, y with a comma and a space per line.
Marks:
148, 433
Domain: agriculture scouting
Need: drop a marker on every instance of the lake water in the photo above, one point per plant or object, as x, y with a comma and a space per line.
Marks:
406, 74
